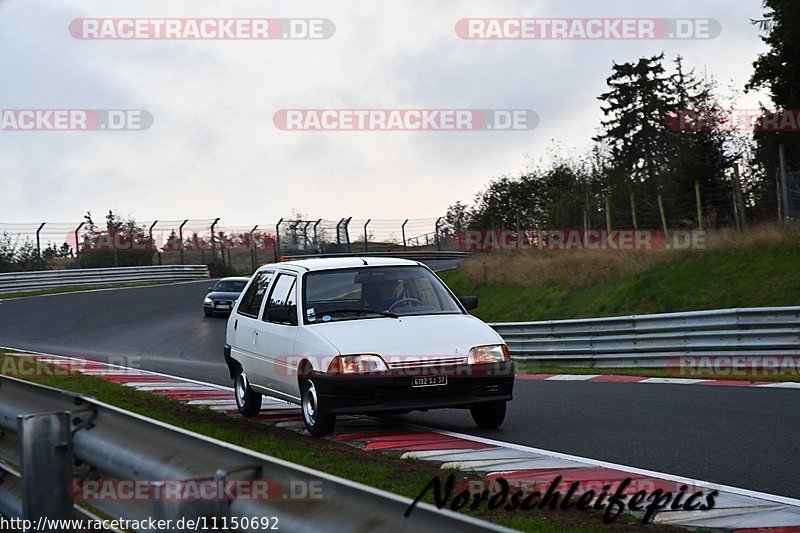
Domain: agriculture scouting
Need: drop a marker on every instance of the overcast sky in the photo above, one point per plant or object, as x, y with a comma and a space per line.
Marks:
213, 150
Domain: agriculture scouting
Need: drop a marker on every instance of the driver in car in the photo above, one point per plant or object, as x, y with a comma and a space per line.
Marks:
382, 295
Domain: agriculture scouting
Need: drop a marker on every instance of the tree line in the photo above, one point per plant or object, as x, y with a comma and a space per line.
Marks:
670, 148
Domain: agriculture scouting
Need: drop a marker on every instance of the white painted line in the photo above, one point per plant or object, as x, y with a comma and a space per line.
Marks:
633, 470
572, 377
675, 381
782, 385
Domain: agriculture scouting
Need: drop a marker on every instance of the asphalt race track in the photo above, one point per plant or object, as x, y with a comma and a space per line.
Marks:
739, 436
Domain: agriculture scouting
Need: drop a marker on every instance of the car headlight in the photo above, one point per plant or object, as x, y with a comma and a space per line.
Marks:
493, 353
357, 364
208, 301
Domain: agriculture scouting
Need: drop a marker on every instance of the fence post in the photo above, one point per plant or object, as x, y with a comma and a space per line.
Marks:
180, 236
78, 246
45, 451
438, 239
739, 198
403, 229
608, 214
347, 234
151, 244
366, 236
633, 212
39, 246
784, 183
213, 241
699, 201
663, 217
278, 239
779, 194
253, 248
585, 229
316, 237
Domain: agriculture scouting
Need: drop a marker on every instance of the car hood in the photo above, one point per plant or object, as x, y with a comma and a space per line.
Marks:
223, 295
427, 337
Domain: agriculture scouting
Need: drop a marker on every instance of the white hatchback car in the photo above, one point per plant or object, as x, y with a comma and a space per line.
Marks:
363, 335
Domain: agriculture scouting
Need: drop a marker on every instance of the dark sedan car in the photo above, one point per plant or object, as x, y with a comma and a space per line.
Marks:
223, 295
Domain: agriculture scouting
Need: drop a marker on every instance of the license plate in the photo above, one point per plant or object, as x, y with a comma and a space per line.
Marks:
223, 306
433, 381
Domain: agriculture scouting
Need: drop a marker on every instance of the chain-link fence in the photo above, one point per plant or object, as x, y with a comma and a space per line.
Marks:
226, 249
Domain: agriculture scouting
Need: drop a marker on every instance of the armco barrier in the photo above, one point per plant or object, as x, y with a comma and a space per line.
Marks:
47, 279
654, 340
56, 437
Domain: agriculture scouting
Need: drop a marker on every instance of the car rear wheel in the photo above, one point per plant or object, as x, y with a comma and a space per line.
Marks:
489, 415
247, 400
318, 422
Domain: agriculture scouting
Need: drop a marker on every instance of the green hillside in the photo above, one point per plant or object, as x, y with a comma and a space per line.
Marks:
523, 287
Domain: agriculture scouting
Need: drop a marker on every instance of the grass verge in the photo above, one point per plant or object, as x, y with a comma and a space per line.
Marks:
758, 269
377, 469
523, 368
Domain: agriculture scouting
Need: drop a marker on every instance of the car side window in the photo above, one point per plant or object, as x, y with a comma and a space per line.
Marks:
251, 300
282, 297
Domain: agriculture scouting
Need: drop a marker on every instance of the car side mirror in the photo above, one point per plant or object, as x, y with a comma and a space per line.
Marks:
210, 289
469, 302
282, 315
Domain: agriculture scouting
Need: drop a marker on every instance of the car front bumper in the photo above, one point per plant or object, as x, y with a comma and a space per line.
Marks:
392, 391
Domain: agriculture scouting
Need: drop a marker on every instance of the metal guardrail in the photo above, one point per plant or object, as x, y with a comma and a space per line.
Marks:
652, 340
417, 256
55, 436
46, 279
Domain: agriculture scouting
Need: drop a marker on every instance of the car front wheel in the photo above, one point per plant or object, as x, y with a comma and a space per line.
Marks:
318, 422
488, 415
247, 400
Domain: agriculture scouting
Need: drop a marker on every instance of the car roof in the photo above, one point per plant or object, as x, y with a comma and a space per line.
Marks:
333, 263
234, 278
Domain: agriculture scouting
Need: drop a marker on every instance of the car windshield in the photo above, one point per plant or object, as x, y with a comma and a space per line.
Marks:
375, 292
230, 285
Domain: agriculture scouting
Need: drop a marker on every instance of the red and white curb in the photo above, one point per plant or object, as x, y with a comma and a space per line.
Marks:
612, 378
736, 509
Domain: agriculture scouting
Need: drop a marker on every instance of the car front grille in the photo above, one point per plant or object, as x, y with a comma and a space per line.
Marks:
422, 363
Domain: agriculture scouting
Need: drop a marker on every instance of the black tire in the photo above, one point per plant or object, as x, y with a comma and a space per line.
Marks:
318, 422
248, 401
488, 415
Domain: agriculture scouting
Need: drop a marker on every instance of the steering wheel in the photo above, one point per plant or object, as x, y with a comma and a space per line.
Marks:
403, 300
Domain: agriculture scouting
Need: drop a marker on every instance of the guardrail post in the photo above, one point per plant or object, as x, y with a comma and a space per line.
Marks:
403, 230
180, 236
438, 240
278, 239
347, 234
39, 246
45, 451
78, 246
366, 236
150, 243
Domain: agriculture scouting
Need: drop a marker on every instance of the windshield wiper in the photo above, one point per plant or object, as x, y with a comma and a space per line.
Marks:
361, 311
